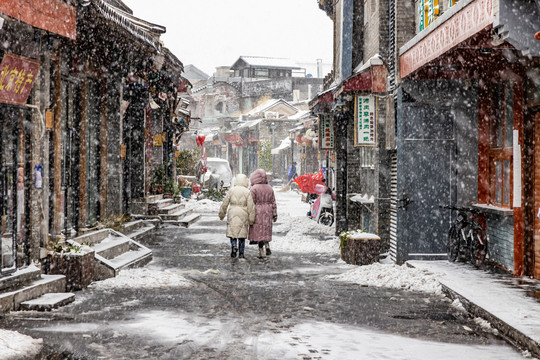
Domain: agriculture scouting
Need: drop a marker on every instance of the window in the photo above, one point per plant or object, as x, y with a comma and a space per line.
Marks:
501, 127
261, 72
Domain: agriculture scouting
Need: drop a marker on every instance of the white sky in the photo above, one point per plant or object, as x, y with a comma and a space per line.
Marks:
210, 33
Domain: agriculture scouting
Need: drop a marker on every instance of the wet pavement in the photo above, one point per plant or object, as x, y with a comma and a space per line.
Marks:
279, 307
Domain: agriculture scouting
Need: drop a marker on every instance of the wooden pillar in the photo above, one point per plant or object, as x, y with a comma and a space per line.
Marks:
57, 145
536, 236
519, 217
484, 112
82, 152
103, 151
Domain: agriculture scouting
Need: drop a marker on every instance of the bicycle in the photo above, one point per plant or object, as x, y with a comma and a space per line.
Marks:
467, 239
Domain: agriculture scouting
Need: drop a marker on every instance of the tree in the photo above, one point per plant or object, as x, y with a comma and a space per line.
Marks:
265, 155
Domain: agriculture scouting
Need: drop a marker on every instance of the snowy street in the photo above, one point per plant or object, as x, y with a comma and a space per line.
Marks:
194, 302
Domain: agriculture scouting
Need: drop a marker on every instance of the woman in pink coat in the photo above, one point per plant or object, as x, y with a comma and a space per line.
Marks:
265, 211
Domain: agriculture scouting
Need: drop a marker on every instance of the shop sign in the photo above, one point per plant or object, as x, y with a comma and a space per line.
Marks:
122, 151
468, 21
365, 124
326, 129
17, 75
157, 140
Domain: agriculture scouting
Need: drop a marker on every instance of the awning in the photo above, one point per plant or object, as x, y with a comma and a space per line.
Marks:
326, 96
285, 144
370, 77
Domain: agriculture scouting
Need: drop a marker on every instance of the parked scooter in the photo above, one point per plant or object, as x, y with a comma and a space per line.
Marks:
322, 208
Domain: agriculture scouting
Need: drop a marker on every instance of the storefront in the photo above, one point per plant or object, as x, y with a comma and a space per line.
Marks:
463, 119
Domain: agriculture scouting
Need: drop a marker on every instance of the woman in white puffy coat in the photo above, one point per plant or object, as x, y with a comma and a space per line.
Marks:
241, 214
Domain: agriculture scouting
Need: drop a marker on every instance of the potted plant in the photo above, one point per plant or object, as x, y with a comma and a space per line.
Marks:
73, 260
157, 186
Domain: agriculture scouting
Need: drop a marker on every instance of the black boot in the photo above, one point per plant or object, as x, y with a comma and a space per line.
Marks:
241, 256
233, 251
268, 252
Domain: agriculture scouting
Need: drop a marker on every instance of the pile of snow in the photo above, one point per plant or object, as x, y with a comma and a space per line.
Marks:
142, 278
391, 276
203, 206
486, 325
14, 345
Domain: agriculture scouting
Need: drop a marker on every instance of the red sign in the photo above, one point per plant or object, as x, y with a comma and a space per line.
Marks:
17, 75
462, 25
55, 16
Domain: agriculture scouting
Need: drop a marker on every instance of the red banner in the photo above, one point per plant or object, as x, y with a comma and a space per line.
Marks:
17, 75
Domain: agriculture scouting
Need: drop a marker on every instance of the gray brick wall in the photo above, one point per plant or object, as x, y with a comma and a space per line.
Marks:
501, 239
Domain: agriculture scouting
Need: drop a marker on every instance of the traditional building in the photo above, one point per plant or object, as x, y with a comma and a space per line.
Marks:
454, 121
87, 101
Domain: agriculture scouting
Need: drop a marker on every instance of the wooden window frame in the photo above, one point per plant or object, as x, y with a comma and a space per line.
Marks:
499, 154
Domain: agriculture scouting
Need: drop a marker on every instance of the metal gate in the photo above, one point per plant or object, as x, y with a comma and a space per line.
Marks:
425, 164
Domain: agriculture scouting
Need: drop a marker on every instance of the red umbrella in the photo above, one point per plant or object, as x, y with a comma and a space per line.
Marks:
307, 182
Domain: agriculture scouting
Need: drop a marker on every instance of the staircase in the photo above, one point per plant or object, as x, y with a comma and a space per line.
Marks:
166, 210
115, 251
29, 289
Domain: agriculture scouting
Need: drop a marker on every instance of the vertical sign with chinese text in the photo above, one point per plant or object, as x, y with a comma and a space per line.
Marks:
365, 123
17, 75
326, 137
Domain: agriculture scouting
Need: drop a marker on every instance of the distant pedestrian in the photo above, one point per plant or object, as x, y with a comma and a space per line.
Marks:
292, 172
265, 211
240, 216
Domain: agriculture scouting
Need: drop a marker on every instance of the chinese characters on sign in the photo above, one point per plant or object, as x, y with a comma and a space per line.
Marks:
326, 138
365, 122
17, 75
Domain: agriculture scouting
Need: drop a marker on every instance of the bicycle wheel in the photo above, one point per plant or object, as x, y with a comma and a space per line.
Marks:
326, 218
478, 246
452, 246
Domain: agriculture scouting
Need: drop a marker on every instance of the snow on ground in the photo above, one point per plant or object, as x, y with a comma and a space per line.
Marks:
337, 341
204, 206
391, 276
14, 345
139, 278
302, 234
322, 340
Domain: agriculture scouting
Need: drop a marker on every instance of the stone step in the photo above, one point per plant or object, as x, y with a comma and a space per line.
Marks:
132, 226
10, 301
141, 230
92, 238
154, 198
112, 247
162, 203
108, 268
176, 216
189, 220
118, 252
172, 208
19, 278
48, 301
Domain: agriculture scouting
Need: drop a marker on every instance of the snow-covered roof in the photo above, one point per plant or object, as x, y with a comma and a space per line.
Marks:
139, 28
248, 124
266, 62
300, 115
268, 104
285, 144
362, 199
